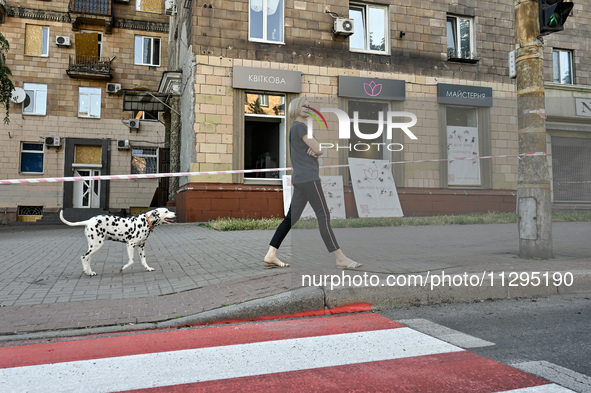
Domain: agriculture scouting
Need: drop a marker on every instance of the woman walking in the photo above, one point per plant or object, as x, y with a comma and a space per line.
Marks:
307, 188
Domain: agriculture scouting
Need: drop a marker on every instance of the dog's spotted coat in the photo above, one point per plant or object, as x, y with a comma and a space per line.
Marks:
134, 231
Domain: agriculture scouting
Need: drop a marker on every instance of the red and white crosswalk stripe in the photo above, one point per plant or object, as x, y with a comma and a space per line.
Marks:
361, 353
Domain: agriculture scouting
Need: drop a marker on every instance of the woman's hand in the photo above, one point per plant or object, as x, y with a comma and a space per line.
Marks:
312, 153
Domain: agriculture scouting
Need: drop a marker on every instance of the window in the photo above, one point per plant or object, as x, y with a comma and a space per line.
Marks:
264, 133
144, 160
31, 157
371, 28
562, 61
147, 115
29, 213
147, 51
36, 100
460, 38
149, 6
96, 36
462, 142
264, 100
36, 40
368, 121
89, 102
571, 168
266, 21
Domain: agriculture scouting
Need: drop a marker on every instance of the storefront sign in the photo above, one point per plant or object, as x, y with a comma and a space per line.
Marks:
583, 107
265, 79
371, 88
464, 95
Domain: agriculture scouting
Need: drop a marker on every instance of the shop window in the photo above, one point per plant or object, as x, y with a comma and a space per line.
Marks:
149, 6
562, 64
462, 142
36, 99
371, 28
32, 157
89, 102
36, 40
571, 169
264, 129
368, 123
266, 21
460, 39
147, 51
144, 160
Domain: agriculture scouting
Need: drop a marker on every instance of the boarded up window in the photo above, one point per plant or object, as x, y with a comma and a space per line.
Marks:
87, 47
36, 40
88, 155
149, 5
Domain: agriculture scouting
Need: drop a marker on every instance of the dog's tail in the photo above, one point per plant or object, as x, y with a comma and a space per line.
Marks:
72, 224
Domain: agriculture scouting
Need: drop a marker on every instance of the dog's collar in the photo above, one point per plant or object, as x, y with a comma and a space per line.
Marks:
149, 222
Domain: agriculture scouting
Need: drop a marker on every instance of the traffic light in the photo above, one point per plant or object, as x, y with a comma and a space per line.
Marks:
553, 14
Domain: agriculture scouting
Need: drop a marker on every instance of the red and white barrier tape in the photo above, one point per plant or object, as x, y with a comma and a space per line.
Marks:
179, 174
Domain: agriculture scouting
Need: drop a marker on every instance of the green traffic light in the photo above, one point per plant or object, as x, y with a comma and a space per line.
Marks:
553, 20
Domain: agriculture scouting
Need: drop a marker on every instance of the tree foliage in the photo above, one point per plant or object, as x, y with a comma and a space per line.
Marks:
6, 85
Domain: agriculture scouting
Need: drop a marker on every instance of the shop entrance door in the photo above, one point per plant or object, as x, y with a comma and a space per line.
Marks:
87, 192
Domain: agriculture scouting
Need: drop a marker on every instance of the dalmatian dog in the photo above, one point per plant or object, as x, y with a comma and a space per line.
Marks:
134, 231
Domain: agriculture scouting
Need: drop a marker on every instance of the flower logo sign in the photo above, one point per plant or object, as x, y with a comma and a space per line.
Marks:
372, 89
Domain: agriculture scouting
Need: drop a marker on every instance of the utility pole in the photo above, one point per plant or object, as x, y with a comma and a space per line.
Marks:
533, 181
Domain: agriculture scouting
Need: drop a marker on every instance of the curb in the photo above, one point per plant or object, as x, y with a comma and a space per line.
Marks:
308, 301
495, 289
292, 302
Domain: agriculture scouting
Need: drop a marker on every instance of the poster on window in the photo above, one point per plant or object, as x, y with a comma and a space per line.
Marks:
374, 188
332, 186
462, 142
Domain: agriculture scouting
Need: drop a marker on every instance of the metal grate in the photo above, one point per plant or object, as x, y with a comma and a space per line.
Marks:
99, 7
29, 213
571, 167
30, 210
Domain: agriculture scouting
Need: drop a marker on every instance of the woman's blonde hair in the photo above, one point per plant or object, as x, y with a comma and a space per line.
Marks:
295, 107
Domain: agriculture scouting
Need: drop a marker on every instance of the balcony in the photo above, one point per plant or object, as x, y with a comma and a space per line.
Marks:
91, 12
89, 67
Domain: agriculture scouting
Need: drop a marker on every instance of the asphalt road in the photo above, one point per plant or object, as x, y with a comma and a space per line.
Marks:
551, 331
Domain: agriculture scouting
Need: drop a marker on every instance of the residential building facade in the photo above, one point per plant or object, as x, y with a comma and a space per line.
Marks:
446, 62
73, 64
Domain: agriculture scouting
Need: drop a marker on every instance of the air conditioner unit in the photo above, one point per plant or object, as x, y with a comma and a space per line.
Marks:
343, 26
123, 144
113, 88
134, 124
53, 141
169, 7
63, 40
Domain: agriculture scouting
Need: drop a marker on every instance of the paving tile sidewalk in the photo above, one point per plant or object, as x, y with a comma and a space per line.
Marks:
42, 286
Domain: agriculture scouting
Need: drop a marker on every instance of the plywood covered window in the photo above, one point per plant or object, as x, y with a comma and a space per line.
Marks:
36, 40
149, 6
87, 47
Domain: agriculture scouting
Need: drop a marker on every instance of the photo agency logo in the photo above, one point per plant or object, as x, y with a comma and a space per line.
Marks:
389, 120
